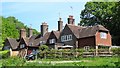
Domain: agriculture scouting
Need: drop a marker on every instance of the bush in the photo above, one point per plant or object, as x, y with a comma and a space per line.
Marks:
13, 61
4, 54
116, 51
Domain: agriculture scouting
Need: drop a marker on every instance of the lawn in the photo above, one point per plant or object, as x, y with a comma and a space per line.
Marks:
95, 61
91, 61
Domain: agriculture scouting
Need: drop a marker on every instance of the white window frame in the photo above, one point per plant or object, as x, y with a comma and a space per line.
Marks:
51, 41
70, 37
103, 35
22, 45
66, 38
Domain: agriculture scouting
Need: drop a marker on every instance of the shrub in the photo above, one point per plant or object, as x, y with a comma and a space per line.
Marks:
116, 51
13, 61
4, 54
43, 50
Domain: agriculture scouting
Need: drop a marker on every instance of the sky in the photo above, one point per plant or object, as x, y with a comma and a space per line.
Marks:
36, 12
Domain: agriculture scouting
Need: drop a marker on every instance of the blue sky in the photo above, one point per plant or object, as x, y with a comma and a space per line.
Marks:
37, 12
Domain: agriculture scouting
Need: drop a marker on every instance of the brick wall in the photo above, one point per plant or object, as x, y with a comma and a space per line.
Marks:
101, 41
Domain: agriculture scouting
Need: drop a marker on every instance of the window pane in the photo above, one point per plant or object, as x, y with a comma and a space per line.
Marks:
103, 35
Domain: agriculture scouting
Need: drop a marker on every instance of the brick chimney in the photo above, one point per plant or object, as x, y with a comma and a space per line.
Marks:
71, 20
30, 32
22, 33
60, 24
44, 28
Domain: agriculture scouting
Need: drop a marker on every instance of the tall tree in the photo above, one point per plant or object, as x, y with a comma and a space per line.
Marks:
10, 28
104, 13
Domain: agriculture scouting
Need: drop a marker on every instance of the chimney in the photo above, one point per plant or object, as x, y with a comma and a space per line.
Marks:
71, 20
30, 32
44, 28
22, 33
60, 24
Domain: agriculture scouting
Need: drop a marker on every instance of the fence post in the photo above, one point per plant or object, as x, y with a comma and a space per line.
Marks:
96, 50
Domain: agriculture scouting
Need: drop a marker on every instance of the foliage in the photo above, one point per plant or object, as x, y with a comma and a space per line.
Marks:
43, 49
116, 51
10, 28
103, 13
4, 54
13, 61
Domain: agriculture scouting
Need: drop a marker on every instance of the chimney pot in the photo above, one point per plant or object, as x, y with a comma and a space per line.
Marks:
60, 24
30, 33
71, 20
44, 28
22, 33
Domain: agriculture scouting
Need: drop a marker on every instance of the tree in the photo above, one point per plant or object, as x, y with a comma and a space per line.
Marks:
10, 28
43, 49
103, 13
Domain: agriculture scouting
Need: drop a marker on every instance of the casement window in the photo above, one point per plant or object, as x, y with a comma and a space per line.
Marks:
51, 41
42, 42
70, 37
22, 45
86, 48
103, 35
31, 44
66, 38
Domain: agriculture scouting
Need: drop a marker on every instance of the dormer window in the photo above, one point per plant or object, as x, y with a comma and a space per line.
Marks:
31, 44
52, 41
22, 45
103, 35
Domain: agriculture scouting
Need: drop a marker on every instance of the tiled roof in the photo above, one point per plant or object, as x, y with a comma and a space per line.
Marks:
74, 29
81, 32
45, 37
14, 44
91, 31
56, 33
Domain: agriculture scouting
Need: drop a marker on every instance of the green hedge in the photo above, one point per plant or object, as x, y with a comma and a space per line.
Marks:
13, 61
116, 51
4, 54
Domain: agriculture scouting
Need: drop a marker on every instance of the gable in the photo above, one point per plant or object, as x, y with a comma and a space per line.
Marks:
23, 41
11, 43
7, 45
66, 32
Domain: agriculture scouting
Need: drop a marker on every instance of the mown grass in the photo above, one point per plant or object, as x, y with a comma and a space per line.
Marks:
93, 61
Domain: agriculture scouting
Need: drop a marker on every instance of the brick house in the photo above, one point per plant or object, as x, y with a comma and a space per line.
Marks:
84, 36
70, 36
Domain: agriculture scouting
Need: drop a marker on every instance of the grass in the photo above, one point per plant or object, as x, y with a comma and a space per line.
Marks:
95, 61
91, 61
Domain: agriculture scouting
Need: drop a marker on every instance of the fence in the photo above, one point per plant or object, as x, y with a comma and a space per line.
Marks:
75, 53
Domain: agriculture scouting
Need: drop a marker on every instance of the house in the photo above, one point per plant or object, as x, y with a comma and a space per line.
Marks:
27, 45
84, 37
71, 36
22, 46
52, 41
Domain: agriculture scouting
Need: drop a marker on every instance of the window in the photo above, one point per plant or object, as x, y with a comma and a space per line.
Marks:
103, 35
86, 48
52, 41
31, 44
70, 37
66, 38
22, 45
